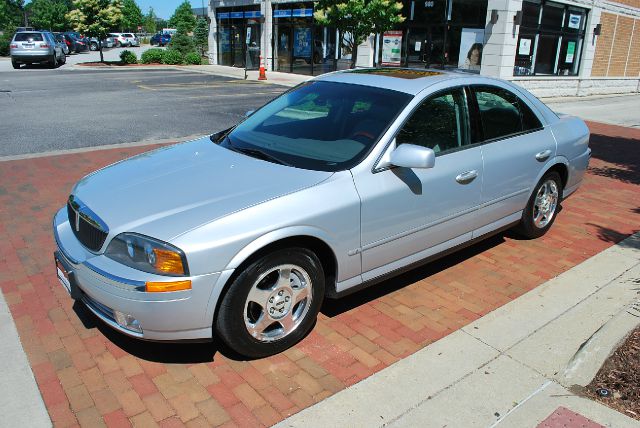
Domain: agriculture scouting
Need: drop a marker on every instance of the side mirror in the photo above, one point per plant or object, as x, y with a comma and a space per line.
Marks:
249, 113
412, 156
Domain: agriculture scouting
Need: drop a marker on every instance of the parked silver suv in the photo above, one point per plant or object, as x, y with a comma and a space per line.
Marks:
28, 47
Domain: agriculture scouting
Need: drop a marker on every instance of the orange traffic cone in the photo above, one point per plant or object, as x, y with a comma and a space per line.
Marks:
263, 74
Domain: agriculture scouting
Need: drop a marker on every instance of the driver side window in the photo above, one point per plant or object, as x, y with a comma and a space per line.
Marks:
440, 123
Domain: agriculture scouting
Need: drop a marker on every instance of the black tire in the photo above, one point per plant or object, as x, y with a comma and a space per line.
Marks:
527, 226
64, 59
230, 321
53, 62
93, 47
15, 64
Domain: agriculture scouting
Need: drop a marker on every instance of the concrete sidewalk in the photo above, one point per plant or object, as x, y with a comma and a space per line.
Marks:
511, 368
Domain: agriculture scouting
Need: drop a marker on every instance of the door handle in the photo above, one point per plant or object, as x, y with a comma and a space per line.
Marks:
467, 177
543, 156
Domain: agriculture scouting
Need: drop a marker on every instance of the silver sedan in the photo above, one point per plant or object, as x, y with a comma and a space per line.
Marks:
337, 184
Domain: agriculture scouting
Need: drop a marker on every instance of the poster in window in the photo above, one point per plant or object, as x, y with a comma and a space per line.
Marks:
471, 42
574, 21
571, 50
525, 47
391, 47
225, 46
302, 42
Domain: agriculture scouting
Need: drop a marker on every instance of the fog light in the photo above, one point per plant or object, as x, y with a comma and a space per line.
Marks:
128, 321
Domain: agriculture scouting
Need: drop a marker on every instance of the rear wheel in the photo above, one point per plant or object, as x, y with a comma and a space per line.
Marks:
53, 61
15, 64
93, 46
541, 210
63, 59
272, 304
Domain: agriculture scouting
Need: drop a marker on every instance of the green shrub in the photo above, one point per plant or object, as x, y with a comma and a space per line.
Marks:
193, 58
128, 57
152, 56
182, 43
172, 57
5, 41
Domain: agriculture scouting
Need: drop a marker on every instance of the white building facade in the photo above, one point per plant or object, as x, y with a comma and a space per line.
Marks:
553, 48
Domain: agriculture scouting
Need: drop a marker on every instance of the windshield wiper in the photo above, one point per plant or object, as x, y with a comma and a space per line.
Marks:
259, 154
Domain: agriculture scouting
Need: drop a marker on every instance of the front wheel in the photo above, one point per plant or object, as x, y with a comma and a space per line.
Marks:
541, 210
272, 304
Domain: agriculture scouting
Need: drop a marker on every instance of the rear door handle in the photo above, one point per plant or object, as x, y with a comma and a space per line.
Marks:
467, 177
543, 156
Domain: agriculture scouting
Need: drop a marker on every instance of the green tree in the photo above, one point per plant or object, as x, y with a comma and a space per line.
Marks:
183, 19
131, 16
149, 24
11, 14
182, 42
95, 18
358, 19
201, 35
48, 14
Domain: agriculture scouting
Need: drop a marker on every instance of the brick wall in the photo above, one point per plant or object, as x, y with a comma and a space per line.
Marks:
632, 3
618, 46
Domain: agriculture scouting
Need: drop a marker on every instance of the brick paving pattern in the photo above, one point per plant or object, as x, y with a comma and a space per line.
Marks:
565, 418
93, 376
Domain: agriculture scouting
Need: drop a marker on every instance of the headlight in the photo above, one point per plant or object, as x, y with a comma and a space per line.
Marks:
147, 254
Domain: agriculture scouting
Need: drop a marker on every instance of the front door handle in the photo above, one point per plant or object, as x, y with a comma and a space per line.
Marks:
543, 156
467, 177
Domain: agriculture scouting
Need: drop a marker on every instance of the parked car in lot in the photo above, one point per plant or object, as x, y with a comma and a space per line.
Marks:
160, 39
29, 47
107, 43
336, 184
125, 39
78, 42
63, 43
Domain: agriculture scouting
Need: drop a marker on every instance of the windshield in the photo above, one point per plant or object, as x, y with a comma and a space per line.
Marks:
321, 125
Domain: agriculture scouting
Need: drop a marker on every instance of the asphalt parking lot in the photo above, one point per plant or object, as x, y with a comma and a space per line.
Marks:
44, 110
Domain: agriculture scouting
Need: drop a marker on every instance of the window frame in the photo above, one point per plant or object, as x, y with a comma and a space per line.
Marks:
472, 135
475, 110
469, 134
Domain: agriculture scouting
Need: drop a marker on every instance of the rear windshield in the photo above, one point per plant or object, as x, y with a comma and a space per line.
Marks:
28, 37
128, 35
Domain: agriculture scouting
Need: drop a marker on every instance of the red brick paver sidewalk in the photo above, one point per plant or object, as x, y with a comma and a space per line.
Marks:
90, 375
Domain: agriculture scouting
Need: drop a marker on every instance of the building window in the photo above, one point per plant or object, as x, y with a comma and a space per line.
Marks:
550, 40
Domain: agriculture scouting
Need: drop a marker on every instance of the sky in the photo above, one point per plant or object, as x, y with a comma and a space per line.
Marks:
165, 8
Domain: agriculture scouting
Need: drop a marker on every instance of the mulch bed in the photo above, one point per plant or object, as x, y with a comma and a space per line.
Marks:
620, 376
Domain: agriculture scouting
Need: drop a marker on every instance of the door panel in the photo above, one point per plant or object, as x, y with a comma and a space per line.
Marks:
405, 211
515, 151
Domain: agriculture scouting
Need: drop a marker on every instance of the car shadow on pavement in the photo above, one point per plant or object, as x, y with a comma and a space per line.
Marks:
184, 352
334, 307
624, 153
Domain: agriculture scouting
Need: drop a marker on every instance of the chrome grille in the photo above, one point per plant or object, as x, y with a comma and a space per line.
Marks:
89, 235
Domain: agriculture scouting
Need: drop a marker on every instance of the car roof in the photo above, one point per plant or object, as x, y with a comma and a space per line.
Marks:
408, 80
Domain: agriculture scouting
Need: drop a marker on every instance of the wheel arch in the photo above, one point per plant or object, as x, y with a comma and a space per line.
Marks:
279, 240
562, 169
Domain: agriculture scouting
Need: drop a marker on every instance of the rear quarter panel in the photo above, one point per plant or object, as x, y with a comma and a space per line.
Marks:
572, 136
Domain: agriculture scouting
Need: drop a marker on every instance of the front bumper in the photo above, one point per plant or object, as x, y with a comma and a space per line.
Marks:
106, 286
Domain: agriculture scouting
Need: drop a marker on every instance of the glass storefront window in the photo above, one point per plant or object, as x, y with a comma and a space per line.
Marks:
550, 40
239, 36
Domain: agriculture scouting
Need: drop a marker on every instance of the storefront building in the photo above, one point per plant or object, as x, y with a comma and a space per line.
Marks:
591, 46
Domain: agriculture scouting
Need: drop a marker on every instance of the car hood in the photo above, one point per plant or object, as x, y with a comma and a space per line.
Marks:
171, 190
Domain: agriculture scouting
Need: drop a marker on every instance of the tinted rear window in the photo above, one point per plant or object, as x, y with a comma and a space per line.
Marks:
128, 35
28, 37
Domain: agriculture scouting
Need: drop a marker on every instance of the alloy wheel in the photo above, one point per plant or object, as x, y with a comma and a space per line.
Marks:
278, 302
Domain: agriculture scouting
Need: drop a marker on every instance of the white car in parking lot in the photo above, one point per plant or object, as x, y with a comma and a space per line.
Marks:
125, 39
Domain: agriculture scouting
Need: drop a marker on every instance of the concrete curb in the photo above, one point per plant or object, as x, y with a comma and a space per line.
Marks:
510, 368
21, 404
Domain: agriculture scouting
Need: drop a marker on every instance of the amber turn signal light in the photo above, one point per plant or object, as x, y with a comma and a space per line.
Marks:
168, 261
159, 287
